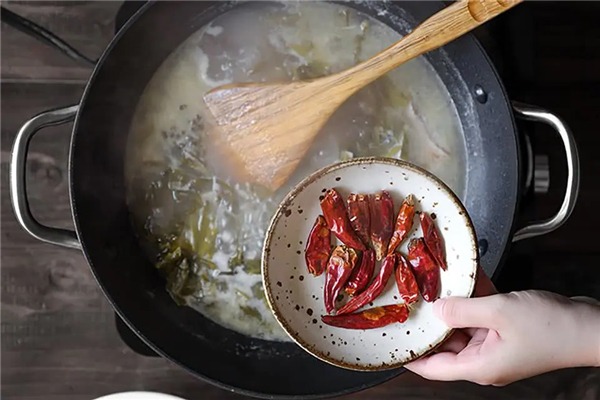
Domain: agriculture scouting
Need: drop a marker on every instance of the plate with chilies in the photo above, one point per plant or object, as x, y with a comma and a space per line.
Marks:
357, 253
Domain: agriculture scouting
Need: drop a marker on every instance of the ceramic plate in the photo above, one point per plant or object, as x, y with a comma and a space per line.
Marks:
296, 297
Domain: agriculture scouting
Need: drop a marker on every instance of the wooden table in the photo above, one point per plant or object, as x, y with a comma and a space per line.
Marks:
59, 340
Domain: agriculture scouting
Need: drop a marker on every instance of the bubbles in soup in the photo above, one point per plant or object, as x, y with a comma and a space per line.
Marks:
204, 233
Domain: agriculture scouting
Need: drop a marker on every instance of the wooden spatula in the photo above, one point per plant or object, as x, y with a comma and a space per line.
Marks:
264, 130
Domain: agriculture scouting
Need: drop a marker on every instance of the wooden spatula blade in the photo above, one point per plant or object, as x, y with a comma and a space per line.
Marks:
265, 130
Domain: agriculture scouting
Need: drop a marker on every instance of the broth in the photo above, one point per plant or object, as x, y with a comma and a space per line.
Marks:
205, 233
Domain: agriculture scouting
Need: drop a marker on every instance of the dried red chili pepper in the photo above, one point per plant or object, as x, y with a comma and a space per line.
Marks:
433, 240
360, 215
340, 265
404, 222
375, 317
406, 282
425, 268
382, 224
318, 247
374, 289
361, 275
334, 210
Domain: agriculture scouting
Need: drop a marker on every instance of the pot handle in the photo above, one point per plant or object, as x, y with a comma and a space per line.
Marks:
536, 114
18, 189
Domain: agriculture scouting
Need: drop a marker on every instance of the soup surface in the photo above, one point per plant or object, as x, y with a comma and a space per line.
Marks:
205, 233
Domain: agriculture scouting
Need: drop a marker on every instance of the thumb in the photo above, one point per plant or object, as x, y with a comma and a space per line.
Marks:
459, 312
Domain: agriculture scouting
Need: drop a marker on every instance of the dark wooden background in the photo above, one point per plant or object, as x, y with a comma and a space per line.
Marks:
58, 333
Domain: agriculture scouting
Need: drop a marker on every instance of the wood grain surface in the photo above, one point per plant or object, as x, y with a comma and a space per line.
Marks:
58, 336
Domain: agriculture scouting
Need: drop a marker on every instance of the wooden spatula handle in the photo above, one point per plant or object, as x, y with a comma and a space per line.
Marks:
443, 27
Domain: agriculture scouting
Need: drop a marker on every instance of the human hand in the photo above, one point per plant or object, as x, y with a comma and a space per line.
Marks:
508, 337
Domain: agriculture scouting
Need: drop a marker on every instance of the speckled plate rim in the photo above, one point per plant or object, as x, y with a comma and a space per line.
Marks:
289, 198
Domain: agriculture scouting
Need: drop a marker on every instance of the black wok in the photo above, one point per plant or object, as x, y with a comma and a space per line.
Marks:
495, 173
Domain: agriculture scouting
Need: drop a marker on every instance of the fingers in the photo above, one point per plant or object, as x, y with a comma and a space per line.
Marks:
446, 366
456, 360
456, 343
479, 312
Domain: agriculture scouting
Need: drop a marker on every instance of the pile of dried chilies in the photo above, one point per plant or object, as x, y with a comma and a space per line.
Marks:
369, 233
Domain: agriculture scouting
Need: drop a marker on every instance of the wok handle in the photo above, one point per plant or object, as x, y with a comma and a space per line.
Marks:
18, 187
536, 114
